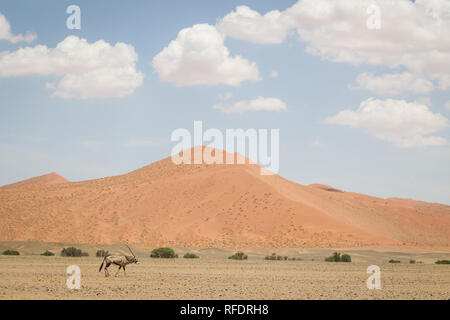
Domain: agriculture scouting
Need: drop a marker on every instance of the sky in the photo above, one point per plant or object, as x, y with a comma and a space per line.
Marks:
360, 90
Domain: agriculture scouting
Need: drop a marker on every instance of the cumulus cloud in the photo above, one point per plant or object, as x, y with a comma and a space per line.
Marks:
447, 105
443, 81
403, 124
88, 70
246, 24
393, 84
424, 100
258, 104
409, 36
198, 56
413, 35
6, 34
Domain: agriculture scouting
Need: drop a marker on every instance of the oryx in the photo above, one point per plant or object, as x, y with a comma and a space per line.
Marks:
119, 260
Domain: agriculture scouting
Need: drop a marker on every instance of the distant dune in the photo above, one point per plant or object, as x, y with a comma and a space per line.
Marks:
220, 206
46, 179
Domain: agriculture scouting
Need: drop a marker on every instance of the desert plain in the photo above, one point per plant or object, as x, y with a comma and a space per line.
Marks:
214, 211
214, 276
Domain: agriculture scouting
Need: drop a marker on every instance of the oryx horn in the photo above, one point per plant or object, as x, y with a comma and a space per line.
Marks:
130, 250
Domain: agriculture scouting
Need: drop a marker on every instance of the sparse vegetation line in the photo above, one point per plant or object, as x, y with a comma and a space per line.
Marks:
10, 253
337, 257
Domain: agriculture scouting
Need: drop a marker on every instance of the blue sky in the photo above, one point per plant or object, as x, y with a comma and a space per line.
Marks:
95, 137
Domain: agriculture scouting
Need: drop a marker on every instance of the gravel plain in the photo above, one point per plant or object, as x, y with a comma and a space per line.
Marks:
213, 276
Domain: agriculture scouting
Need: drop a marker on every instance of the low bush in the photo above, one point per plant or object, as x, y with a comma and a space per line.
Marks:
163, 253
238, 256
11, 253
443, 262
47, 253
394, 261
73, 252
412, 261
191, 256
336, 257
346, 258
101, 253
274, 256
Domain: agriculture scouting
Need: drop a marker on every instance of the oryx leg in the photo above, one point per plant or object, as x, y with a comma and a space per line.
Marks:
118, 270
106, 269
124, 272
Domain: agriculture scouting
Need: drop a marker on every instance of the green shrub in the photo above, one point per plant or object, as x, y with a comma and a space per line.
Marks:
101, 253
336, 257
11, 253
47, 253
412, 261
191, 256
394, 261
163, 253
443, 262
346, 258
238, 256
73, 252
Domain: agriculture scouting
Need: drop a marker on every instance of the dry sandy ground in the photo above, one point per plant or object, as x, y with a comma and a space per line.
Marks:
213, 276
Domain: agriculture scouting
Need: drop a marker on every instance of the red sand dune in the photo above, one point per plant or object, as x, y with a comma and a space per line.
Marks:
224, 206
46, 179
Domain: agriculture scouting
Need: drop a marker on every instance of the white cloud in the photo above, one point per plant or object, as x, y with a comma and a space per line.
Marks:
274, 74
409, 36
447, 105
443, 81
5, 32
88, 70
258, 104
198, 56
247, 24
403, 124
413, 35
424, 100
393, 84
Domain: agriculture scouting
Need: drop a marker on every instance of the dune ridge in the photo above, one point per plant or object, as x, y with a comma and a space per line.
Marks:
46, 179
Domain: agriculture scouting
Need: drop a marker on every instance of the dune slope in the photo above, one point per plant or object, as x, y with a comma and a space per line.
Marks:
46, 179
224, 206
